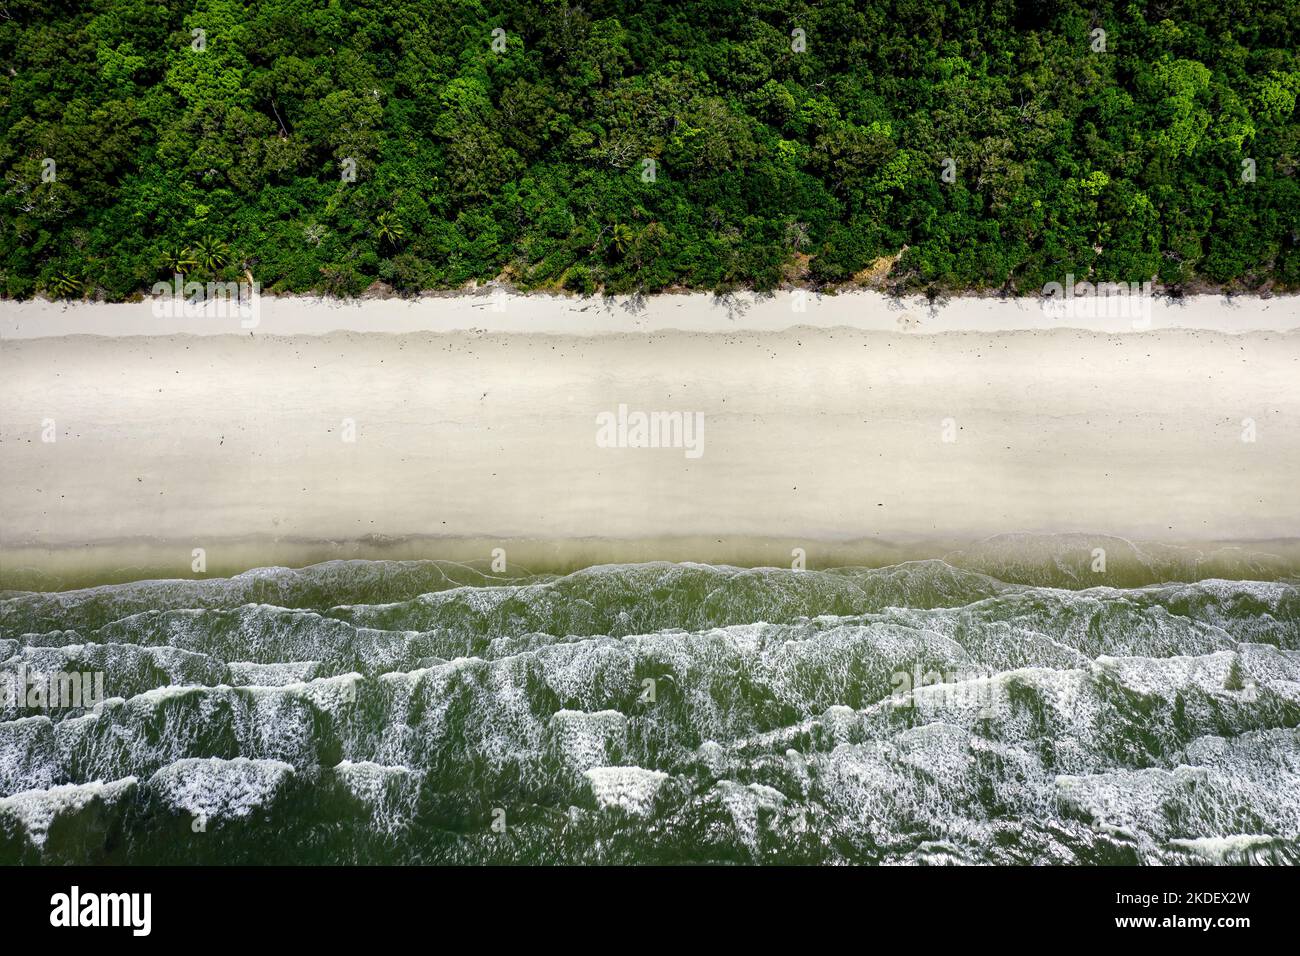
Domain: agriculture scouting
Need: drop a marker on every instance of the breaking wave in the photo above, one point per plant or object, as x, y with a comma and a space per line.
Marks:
990, 708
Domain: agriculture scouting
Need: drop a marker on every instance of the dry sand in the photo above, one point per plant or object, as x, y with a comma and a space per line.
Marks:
469, 440
497, 311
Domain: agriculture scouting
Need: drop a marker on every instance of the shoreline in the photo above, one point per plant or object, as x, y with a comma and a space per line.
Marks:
1027, 554
497, 310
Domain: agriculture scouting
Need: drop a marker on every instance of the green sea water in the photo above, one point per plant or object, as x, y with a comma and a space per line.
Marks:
1009, 706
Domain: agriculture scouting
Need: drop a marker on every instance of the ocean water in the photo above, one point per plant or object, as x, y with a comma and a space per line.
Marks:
997, 707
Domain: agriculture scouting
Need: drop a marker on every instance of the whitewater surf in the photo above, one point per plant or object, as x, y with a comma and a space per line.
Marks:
431, 712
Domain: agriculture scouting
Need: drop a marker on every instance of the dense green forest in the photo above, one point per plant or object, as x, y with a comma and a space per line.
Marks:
620, 147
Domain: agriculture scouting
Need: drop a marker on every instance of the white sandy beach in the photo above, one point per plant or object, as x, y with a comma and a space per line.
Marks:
170, 442
494, 310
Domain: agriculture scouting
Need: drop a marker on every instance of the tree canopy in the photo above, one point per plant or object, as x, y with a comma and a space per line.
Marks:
619, 146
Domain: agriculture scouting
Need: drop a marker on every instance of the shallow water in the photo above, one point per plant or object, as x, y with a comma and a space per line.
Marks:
990, 708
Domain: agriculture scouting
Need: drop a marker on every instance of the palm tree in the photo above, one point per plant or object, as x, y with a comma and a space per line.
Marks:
65, 284
179, 260
212, 253
621, 237
388, 229
796, 235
